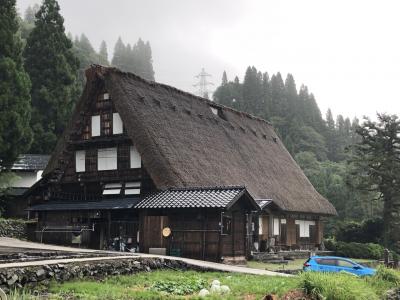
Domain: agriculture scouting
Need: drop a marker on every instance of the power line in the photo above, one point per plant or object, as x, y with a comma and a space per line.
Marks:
203, 84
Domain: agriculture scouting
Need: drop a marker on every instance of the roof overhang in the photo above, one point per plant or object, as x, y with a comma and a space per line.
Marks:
204, 197
107, 204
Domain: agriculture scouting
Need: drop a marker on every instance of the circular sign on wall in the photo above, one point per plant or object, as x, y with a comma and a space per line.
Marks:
166, 232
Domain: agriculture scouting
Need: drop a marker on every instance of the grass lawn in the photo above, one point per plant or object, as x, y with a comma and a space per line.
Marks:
296, 264
186, 285
168, 285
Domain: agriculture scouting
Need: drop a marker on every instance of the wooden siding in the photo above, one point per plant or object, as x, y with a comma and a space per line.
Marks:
196, 233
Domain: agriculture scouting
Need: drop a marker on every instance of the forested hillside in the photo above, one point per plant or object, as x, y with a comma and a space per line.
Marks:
318, 144
56, 61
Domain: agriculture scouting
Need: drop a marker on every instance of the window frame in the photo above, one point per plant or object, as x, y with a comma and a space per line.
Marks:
80, 155
226, 224
95, 126
102, 160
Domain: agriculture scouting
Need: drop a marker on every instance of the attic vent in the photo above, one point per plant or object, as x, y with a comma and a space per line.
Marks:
242, 128
264, 136
200, 116
274, 139
218, 112
254, 132
187, 111
173, 107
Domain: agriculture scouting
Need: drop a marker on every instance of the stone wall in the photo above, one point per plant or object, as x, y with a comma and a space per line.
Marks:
29, 277
13, 228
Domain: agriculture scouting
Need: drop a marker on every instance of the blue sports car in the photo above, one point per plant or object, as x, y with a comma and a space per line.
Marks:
336, 264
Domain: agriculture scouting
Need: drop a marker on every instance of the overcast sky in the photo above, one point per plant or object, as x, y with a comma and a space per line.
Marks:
346, 52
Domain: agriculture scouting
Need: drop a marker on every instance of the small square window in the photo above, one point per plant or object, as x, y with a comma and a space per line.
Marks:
226, 225
132, 188
112, 189
107, 159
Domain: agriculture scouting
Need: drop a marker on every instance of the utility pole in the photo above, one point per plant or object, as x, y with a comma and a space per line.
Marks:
203, 84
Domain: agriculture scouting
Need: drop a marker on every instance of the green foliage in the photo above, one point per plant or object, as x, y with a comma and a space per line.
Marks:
52, 68
183, 287
294, 114
367, 231
376, 158
336, 286
28, 22
137, 59
355, 250
15, 112
87, 56
389, 275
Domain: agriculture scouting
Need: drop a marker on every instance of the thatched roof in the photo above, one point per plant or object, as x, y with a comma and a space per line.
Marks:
184, 144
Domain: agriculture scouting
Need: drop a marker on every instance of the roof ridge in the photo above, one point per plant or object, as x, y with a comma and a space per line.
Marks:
196, 188
104, 70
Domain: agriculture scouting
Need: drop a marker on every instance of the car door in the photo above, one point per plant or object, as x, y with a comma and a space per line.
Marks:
348, 266
327, 265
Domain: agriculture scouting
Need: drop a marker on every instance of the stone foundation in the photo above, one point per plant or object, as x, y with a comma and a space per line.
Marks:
29, 277
13, 228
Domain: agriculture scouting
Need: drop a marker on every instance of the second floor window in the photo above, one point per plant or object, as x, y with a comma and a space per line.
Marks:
107, 159
80, 162
95, 125
117, 124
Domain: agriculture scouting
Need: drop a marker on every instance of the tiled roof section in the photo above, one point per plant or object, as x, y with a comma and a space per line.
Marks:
122, 203
218, 197
31, 162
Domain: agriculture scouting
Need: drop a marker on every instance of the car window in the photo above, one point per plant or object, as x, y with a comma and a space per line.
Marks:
345, 263
326, 261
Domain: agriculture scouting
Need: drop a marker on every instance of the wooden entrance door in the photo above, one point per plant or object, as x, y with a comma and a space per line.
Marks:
152, 233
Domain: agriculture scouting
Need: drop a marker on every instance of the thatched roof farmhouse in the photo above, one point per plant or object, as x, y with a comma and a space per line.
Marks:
184, 143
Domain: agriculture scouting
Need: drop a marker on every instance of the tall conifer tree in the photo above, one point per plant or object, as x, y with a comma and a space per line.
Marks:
15, 112
52, 67
103, 54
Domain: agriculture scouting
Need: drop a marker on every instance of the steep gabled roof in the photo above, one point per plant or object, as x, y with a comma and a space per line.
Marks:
183, 143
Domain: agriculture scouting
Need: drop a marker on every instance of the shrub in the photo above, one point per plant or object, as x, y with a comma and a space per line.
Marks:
336, 286
368, 231
359, 250
330, 244
389, 275
182, 288
355, 250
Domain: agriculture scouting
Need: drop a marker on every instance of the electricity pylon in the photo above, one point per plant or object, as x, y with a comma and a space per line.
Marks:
203, 84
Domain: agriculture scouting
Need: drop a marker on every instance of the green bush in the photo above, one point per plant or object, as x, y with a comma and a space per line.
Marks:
389, 275
330, 244
355, 250
367, 231
189, 286
359, 250
336, 286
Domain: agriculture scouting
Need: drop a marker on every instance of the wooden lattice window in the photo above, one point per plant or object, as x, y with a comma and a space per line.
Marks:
86, 132
103, 101
106, 123
123, 157
91, 160
226, 225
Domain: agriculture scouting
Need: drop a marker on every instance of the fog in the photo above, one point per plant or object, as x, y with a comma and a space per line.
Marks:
346, 52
